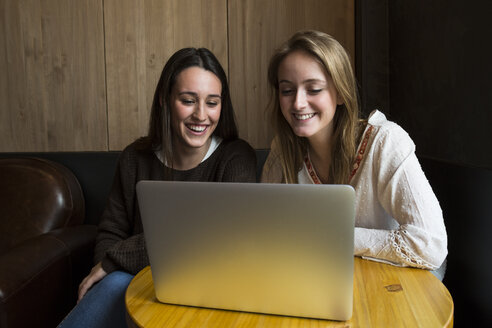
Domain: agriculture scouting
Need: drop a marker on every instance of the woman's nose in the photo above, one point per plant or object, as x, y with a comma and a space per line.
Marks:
300, 101
199, 113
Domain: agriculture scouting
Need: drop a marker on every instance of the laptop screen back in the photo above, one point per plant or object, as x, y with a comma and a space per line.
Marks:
268, 248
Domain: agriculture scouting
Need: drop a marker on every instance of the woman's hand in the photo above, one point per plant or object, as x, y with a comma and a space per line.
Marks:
96, 274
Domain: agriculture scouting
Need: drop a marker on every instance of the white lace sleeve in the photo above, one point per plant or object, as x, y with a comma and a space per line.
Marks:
419, 238
400, 241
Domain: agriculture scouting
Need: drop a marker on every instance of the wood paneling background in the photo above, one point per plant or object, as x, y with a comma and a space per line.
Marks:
80, 75
52, 86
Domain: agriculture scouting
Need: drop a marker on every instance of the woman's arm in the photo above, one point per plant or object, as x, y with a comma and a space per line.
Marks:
406, 195
118, 245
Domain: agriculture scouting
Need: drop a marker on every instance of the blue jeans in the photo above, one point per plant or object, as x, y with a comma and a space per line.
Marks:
103, 305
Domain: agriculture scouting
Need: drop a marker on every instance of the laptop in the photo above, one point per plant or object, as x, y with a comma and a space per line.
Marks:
267, 248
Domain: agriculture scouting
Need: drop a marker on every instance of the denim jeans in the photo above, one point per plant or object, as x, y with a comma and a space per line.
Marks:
439, 273
103, 305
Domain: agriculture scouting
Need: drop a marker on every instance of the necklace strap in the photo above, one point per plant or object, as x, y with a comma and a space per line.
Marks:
355, 167
311, 171
360, 153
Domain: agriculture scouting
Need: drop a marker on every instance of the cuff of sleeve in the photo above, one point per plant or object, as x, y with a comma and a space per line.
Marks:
383, 261
108, 265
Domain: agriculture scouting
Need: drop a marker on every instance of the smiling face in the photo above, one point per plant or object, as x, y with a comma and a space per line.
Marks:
195, 109
307, 96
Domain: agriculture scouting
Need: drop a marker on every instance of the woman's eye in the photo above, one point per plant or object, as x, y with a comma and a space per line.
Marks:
314, 91
188, 101
212, 103
286, 92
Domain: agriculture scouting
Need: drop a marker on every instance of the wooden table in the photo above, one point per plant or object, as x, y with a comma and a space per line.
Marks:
384, 296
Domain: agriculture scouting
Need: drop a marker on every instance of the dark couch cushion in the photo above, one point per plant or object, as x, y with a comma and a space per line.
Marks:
94, 171
37, 196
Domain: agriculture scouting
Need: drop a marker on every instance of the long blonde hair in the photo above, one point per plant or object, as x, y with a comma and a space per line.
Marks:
292, 149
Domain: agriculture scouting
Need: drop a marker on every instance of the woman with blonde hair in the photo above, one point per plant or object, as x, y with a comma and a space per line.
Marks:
319, 138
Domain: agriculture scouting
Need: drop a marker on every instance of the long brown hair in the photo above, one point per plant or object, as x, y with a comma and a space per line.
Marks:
333, 57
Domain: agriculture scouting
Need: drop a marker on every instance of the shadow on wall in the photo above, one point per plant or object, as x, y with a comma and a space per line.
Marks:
465, 197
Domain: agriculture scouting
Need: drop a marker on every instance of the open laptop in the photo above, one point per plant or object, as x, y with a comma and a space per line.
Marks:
268, 248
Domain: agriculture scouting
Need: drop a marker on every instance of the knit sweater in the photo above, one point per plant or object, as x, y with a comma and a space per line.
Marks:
120, 242
398, 217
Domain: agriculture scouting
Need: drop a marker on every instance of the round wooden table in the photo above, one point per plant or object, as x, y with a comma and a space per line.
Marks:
384, 296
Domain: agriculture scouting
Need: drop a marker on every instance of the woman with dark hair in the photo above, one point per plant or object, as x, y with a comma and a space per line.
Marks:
192, 137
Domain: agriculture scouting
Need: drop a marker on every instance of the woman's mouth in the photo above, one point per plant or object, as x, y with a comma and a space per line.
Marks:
304, 117
197, 128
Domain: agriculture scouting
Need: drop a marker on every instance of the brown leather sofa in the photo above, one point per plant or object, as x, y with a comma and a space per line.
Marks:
45, 250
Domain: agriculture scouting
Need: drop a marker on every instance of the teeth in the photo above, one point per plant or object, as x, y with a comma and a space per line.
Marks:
303, 116
197, 128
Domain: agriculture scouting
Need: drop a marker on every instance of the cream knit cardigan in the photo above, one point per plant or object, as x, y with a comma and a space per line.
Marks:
398, 217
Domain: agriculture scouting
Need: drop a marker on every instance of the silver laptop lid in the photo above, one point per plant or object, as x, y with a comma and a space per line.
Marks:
269, 248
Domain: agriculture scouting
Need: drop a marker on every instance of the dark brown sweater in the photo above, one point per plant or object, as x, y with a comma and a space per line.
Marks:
120, 243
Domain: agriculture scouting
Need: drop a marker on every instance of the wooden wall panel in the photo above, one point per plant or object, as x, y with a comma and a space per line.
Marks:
52, 88
80, 79
140, 37
256, 28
